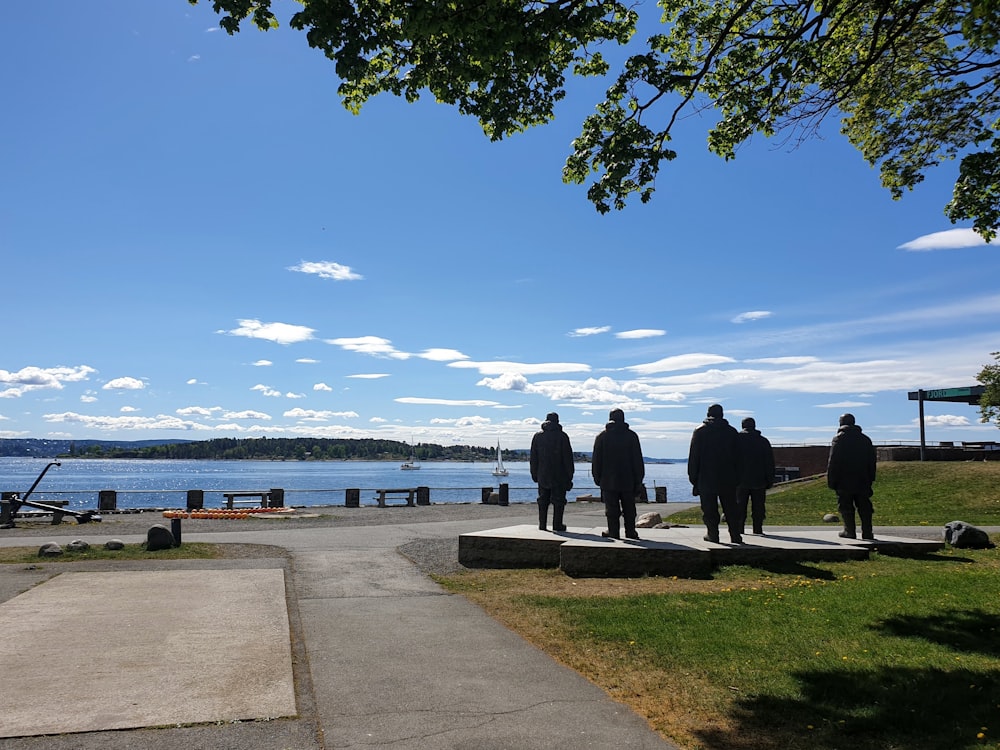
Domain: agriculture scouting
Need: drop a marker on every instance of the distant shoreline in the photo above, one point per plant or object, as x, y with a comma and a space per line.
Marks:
286, 459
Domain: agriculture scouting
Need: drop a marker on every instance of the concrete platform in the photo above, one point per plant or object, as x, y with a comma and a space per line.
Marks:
87, 652
677, 551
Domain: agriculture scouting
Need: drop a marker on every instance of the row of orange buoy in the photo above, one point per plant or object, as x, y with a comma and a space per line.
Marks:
222, 512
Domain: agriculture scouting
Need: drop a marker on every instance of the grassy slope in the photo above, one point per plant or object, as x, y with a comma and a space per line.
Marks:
906, 494
885, 653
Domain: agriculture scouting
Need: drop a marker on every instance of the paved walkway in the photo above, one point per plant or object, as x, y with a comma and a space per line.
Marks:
381, 657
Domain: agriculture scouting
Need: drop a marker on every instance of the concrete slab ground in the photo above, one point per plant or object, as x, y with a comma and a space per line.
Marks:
87, 652
677, 550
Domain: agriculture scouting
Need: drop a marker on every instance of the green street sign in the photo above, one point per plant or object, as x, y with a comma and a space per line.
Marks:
970, 394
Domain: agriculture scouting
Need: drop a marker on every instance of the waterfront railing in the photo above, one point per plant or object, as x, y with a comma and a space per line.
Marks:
164, 499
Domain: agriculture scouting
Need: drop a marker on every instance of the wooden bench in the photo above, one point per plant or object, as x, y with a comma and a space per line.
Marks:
410, 494
986, 445
231, 499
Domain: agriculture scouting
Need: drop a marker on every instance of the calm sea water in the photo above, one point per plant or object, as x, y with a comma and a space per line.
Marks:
164, 484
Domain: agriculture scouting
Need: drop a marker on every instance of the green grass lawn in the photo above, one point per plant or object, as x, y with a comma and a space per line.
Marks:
882, 654
906, 494
890, 653
186, 551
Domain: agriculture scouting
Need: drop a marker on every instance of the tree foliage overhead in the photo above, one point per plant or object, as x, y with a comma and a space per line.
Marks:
989, 403
914, 82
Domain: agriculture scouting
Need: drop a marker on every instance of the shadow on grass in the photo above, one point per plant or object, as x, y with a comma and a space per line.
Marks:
909, 554
886, 708
971, 631
791, 567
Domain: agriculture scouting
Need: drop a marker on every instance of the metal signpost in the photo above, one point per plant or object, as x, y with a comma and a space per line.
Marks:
969, 395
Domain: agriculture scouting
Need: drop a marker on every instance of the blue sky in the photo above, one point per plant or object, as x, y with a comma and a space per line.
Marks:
199, 241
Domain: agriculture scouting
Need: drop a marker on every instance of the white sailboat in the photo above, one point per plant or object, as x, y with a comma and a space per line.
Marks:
411, 464
499, 470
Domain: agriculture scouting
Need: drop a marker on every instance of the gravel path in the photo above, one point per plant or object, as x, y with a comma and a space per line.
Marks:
124, 523
433, 556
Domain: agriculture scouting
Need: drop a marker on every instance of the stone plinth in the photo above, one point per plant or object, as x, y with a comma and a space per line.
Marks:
511, 547
675, 551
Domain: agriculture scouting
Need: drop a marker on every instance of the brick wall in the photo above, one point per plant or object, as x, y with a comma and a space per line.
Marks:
811, 459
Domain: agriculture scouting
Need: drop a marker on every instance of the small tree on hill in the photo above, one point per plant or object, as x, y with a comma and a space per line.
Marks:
989, 404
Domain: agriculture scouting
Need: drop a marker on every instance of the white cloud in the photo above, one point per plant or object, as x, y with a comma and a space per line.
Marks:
476, 421
313, 415
128, 409
86, 398
35, 378
369, 375
327, 269
159, 422
194, 58
752, 315
782, 360
192, 381
442, 355
263, 363
266, 390
680, 362
843, 405
295, 395
246, 414
307, 361
322, 387
509, 381
845, 377
503, 368
200, 411
641, 333
950, 239
596, 392
443, 401
124, 384
944, 420
280, 333
590, 331
378, 420
376, 346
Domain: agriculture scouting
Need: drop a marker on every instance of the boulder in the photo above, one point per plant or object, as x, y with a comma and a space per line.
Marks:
50, 549
159, 537
648, 520
966, 536
114, 544
77, 545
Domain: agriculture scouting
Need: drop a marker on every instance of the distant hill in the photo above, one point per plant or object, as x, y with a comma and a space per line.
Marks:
283, 449
301, 449
42, 448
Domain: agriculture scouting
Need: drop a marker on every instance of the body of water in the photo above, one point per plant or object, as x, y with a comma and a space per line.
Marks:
164, 484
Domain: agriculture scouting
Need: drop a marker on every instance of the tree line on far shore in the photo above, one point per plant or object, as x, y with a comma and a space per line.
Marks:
295, 449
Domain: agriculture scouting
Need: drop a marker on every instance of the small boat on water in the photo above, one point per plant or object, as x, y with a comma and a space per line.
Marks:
499, 470
411, 464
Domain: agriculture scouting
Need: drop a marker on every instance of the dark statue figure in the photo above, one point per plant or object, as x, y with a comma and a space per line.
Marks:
714, 472
756, 474
551, 464
618, 469
850, 473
